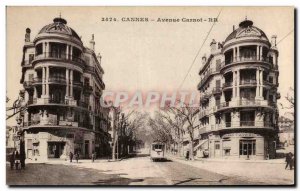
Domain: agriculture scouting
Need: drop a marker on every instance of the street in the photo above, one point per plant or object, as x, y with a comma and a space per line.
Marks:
139, 170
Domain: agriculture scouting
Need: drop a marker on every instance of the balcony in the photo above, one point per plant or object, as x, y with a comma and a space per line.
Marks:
268, 83
77, 84
62, 123
244, 103
66, 102
204, 97
203, 113
227, 85
240, 124
249, 124
241, 59
28, 84
37, 80
60, 57
58, 80
87, 89
207, 75
248, 82
217, 90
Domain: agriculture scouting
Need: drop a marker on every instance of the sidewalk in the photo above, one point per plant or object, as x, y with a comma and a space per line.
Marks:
264, 171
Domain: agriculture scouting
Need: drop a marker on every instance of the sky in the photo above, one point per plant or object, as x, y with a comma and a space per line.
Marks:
150, 56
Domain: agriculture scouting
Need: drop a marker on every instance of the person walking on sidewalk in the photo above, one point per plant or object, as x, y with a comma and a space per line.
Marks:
288, 160
71, 156
77, 156
12, 160
292, 160
17, 160
187, 155
93, 156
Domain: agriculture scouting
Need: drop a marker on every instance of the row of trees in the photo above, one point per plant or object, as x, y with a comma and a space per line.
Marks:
125, 127
171, 123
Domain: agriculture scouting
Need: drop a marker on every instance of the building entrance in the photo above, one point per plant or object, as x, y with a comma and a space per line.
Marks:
55, 149
247, 148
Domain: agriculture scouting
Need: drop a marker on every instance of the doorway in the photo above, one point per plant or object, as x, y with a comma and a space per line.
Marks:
247, 148
55, 149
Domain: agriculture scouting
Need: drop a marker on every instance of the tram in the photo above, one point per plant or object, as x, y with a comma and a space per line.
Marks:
157, 151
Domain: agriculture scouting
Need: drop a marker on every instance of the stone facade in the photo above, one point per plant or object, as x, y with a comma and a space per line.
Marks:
238, 96
63, 83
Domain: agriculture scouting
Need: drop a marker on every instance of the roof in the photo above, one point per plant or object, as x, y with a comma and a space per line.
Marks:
246, 29
59, 26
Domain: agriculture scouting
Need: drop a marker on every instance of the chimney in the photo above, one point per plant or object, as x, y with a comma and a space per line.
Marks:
27, 35
99, 57
203, 59
273, 41
213, 46
233, 28
92, 43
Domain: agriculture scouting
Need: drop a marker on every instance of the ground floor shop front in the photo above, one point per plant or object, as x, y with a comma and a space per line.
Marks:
57, 144
238, 145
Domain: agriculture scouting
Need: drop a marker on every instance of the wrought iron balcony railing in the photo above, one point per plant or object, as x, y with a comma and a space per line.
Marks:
60, 56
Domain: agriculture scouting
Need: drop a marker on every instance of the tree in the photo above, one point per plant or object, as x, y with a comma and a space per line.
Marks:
161, 130
125, 126
291, 102
188, 117
170, 123
18, 106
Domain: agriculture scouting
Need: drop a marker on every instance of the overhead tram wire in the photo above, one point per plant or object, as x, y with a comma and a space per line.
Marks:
285, 36
199, 50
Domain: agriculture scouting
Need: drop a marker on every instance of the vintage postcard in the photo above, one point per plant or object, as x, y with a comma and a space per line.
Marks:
168, 96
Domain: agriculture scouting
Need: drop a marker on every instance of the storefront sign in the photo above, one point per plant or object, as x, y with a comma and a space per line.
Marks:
241, 135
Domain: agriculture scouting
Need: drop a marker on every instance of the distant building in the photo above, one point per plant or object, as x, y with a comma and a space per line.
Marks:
11, 133
286, 131
63, 83
238, 96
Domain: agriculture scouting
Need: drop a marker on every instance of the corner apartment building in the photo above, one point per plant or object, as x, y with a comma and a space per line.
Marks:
63, 83
238, 96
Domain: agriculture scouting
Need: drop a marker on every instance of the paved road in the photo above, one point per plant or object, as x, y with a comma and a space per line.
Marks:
135, 171
175, 173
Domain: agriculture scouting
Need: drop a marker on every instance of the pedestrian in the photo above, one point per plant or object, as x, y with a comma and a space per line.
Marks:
17, 160
187, 155
77, 156
93, 156
288, 160
292, 161
71, 156
12, 160
22, 160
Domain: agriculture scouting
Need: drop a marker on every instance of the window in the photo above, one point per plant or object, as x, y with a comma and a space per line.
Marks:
217, 145
31, 57
155, 147
86, 81
271, 79
227, 152
218, 64
30, 77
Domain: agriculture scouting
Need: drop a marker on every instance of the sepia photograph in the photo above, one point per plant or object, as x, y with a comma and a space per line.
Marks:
150, 96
